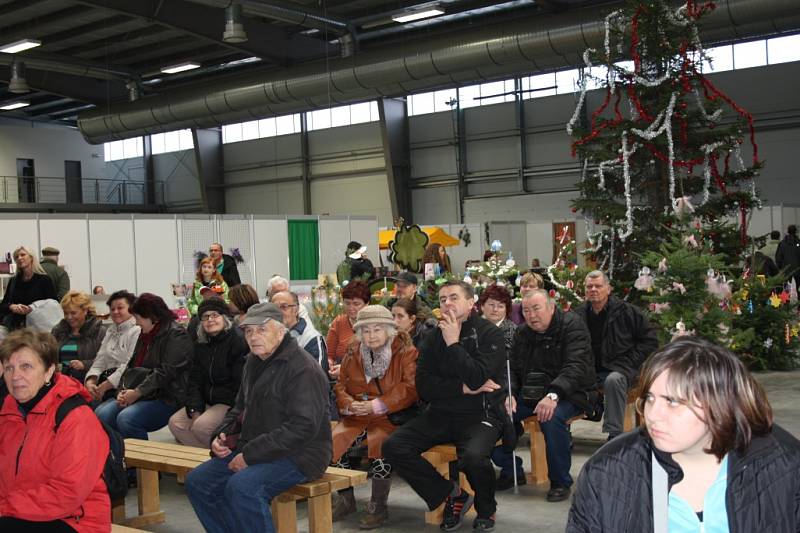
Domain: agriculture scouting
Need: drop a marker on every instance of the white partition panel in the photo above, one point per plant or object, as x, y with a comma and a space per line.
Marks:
112, 254
157, 264
460, 254
197, 232
18, 229
234, 232
334, 234
365, 231
271, 238
70, 234
540, 242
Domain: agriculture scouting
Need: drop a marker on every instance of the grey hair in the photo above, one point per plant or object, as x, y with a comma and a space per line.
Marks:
274, 280
594, 274
202, 336
549, 300
391, 332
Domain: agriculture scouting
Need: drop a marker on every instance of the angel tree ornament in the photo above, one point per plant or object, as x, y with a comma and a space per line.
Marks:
645, 280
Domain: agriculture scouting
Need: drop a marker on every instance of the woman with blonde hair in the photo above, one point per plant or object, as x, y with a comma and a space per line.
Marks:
79, 334
708, 457
376, 379
207, 276
30, 284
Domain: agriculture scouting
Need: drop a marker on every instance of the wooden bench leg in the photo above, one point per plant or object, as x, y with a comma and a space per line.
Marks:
118, 511
320, 518
284, 514
442, 465
149, 500
538, 473
629, 420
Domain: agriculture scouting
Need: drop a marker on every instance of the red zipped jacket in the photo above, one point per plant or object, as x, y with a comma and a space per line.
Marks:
47, 475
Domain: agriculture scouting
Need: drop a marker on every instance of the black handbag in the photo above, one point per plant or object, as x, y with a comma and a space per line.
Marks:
534, 388
398, 418
133, 377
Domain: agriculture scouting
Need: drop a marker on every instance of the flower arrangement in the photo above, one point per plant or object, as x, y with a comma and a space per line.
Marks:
326, 302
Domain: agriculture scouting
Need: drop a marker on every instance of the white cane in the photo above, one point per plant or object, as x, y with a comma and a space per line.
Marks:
511, 416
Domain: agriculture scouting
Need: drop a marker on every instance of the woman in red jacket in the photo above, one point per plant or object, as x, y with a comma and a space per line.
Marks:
49, 481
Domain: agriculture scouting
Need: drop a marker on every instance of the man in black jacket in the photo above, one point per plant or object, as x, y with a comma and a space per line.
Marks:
551, 365
622, 338
276, 435
459, 366
787, 257
226, 265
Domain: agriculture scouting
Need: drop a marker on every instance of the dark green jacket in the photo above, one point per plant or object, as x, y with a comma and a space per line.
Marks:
58, 275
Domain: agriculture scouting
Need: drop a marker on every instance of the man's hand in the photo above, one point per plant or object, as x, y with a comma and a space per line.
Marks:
451, 329
219, 447
544, 409
75, 364
361, 408
238, 463
511, 405
489, 386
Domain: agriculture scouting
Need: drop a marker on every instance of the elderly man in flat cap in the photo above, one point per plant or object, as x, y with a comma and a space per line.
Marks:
277, 434
59, 276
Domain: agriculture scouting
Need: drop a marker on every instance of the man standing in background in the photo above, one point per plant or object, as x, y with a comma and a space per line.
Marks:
59, 276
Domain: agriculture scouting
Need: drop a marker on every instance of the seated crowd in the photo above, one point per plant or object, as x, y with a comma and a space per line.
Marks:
259, 385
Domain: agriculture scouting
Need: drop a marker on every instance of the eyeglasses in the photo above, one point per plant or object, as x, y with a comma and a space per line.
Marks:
210, 316
252, 330
284, 307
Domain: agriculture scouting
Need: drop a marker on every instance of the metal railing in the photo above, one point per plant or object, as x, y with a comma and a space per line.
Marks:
91, 191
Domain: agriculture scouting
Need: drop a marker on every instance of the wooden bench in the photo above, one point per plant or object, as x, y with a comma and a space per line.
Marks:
538, 474
149, 458
116, 528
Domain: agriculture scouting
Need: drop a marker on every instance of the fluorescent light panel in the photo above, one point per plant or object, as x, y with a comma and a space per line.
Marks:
418, 15
15, 105
174, 69
19, 46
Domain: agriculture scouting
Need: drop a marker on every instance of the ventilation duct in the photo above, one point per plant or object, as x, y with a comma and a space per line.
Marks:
18, 84
525, 47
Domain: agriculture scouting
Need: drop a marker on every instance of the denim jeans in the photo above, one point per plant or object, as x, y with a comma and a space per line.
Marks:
135, 420
503, 458
556, 438
236, 502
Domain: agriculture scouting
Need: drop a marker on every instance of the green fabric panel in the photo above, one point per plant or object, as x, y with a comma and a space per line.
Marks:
303, 249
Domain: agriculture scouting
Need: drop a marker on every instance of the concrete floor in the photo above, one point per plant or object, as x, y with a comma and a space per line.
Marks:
525, 511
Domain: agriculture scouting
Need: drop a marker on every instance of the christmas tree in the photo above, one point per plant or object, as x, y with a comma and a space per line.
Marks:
664, 134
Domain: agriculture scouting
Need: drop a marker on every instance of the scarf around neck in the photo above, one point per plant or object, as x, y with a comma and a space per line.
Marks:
375, 362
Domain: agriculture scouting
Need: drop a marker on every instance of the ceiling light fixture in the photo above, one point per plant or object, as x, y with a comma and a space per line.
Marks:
417, 15
15, 105
174, 69
19, 46
18, 84
234, 29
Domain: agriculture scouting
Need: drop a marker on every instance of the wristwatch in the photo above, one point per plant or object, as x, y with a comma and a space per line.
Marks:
553, 396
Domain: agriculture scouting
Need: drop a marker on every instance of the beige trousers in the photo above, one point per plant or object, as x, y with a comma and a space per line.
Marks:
198, 431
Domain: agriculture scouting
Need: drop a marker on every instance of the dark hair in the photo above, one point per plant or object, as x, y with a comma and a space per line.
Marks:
122, 295
792, 229
432, 256
774, 234
357, 289
469, 291
495, 292
409, 306
152, 307
243, 296
714, 383
42, 343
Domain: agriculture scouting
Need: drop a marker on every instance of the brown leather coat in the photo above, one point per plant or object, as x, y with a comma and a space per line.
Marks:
397, 384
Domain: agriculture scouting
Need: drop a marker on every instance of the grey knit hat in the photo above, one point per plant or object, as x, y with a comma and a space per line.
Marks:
374, 314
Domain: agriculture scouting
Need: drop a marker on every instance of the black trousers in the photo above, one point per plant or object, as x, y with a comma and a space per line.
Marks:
17, 525
474, 437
